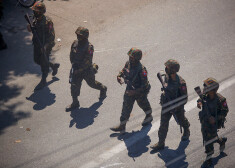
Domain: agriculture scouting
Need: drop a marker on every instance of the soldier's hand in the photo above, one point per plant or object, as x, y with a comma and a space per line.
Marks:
131, 92
199, 105
29, 28
212, 120
120, 80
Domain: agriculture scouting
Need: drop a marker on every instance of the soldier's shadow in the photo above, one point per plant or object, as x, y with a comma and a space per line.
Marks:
174, 158
83, 117
136, 141
216, 159
43, 98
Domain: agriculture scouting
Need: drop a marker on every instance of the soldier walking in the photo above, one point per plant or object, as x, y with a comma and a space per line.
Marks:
137, 89
81, 56
43, 43
172, 100
212, 117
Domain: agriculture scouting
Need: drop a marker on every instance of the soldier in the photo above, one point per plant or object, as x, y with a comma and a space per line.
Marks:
46, 36
135, 76
81, 56
212, 117
172, 100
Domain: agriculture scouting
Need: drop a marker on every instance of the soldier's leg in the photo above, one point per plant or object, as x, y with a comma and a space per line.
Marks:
55, 66
162, 132
39, 59
127, 107
90, 79
144, 104
210, 137
183, 121
75, 92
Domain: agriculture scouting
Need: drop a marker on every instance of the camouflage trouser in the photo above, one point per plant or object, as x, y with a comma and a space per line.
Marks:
89, 77
164, 123
209, 133
128, 104
40, 59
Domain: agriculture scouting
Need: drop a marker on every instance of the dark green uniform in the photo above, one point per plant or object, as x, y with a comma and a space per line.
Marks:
136, 79
217, 108
46, 34
175, 90
81, 56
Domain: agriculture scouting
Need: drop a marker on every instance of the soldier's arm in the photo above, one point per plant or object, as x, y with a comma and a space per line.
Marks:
144, 80
87, 61
50, 33
183, 91
223, 108
121, 73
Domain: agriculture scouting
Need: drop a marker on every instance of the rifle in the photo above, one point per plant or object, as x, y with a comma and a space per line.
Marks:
159, 76
126, 80
26, 16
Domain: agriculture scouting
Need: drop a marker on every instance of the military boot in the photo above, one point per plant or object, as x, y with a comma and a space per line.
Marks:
158, 146
186, 134
120, 128
147, 120
222, 142
41, 84
103, 93
75, 104
55, 68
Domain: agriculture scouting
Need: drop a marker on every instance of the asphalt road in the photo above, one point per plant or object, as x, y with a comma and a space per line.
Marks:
200, 34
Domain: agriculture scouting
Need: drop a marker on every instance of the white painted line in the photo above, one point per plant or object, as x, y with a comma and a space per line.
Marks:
135, 138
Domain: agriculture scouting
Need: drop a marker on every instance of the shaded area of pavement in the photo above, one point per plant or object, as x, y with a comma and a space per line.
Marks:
43, 98
9, 116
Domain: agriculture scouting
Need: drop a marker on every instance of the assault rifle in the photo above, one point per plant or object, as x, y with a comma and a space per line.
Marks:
168, 100
127, 80
35, 34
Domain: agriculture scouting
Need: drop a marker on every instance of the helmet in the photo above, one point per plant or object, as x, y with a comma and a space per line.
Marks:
83, 32
210, 84
173, 65
39, 7
136, 53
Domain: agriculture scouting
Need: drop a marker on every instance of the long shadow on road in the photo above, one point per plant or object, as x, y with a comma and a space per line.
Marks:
83, 117
136, 147
9, 116
43, 98
174, 158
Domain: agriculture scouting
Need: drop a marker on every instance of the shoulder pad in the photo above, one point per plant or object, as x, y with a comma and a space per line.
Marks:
144, 71
75, 43
91, 47
48, 19
221, 98
182, 81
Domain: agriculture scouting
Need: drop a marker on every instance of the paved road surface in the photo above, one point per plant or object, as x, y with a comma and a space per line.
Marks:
200, 34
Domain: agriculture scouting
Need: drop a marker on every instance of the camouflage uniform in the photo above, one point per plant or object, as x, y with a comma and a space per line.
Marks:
46, 34
173, 99
174, 90
44, 37
141, 81
135, 76
81, 56
217, 108
81, 60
